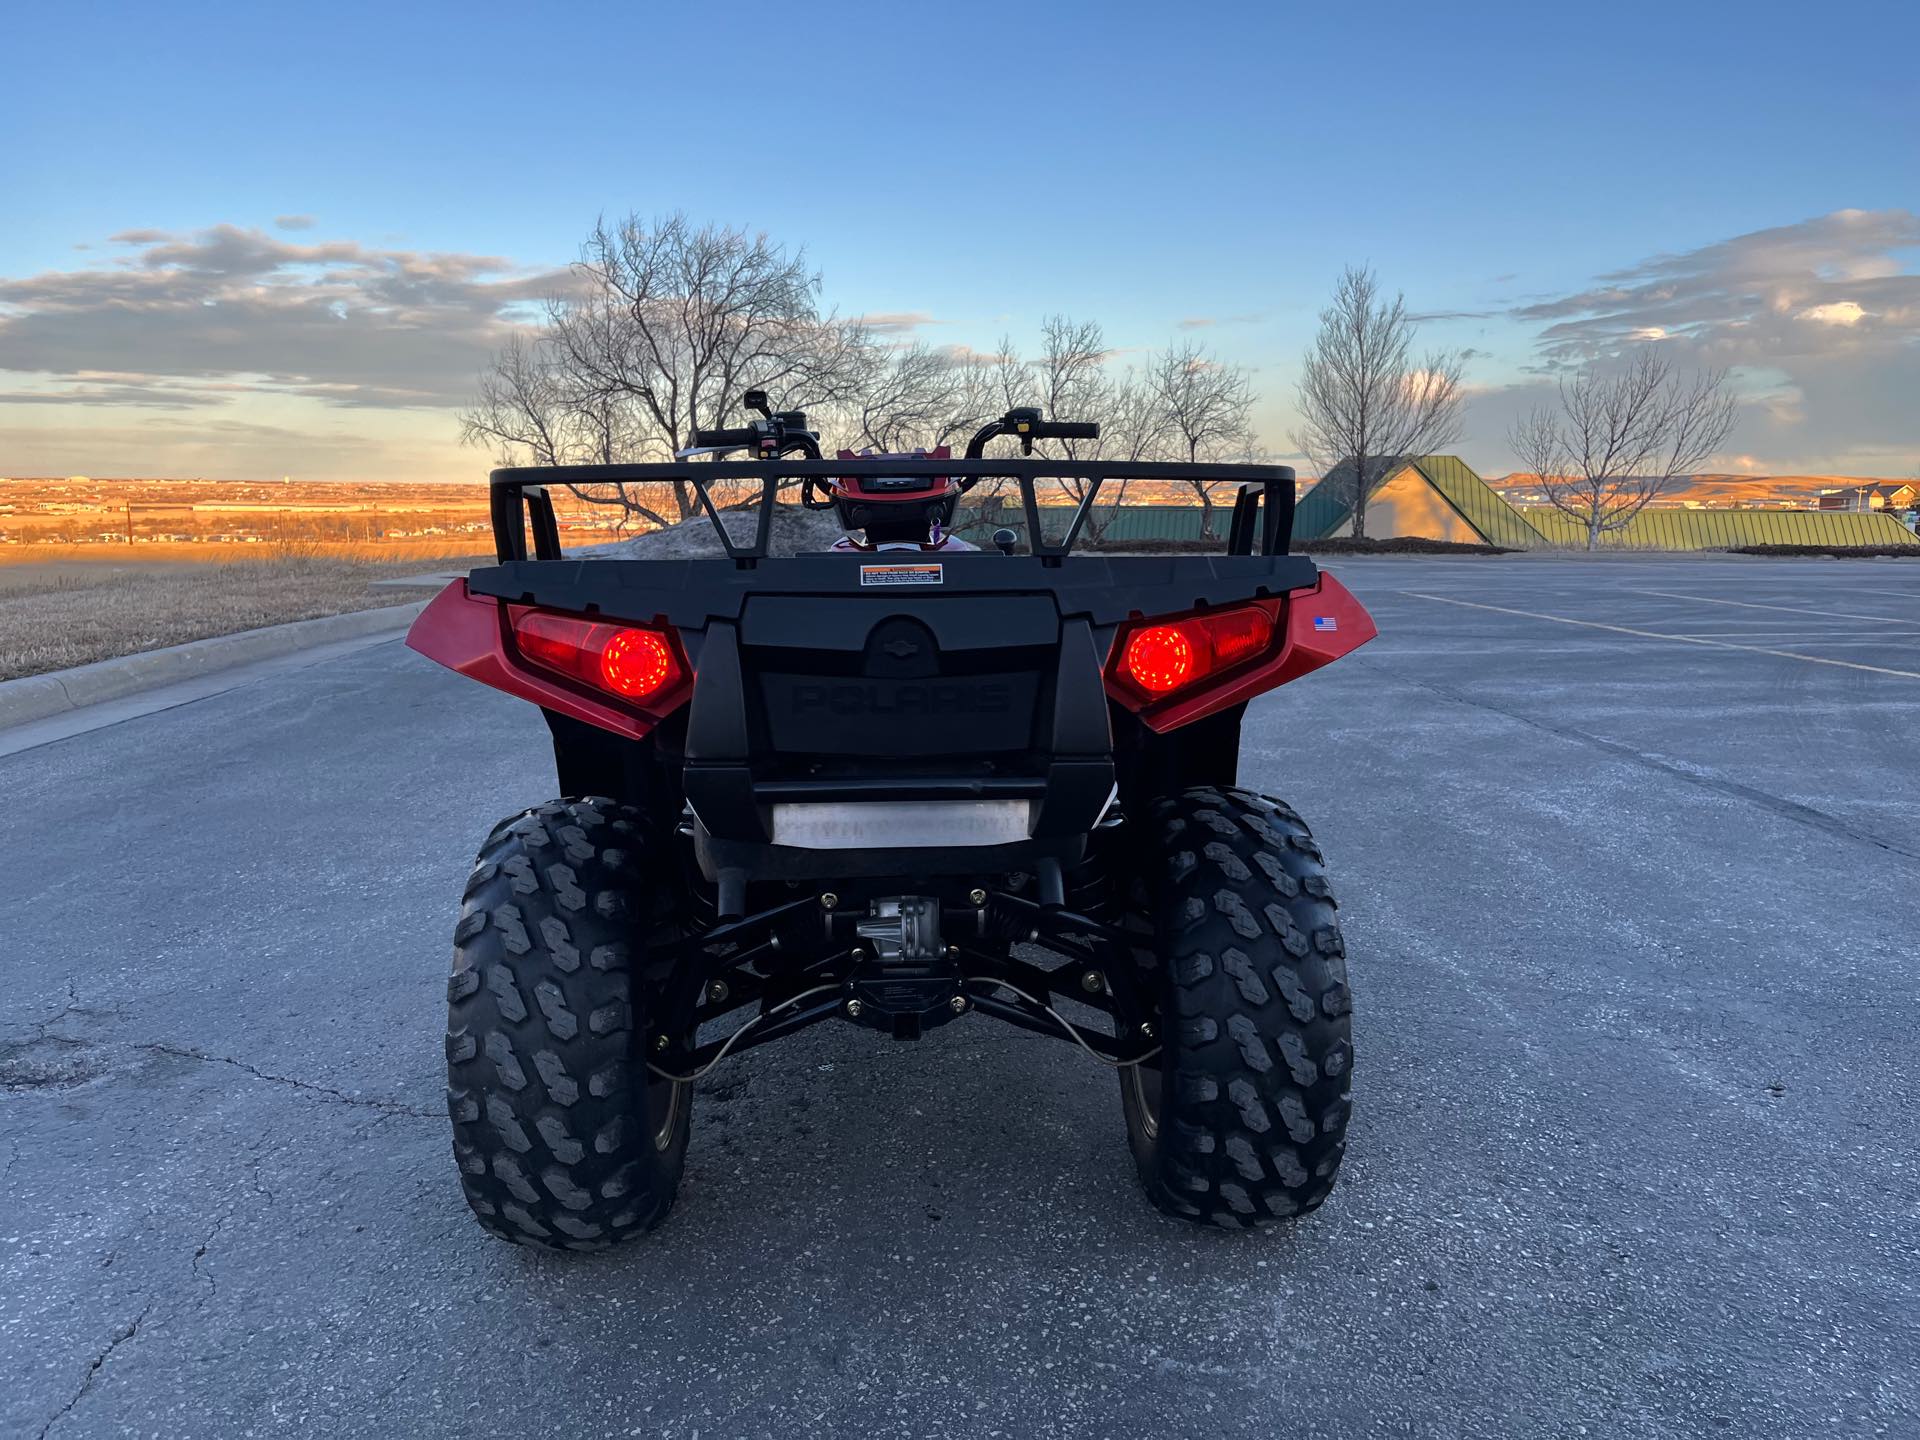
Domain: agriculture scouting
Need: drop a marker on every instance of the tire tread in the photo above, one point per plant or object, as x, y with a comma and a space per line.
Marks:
545, 1085
1256, 1014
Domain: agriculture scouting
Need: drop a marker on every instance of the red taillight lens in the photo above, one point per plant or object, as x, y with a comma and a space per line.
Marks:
637, 663
629, 660
1237, 635
1159, 659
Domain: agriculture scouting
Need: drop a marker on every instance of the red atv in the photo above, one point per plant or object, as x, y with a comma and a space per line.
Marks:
895, 785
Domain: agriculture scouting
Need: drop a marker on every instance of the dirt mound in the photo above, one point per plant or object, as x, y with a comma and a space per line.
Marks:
1838, 552
795, 532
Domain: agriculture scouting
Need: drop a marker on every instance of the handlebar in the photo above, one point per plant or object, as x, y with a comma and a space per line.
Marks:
786, 430
1026, 424
777, 435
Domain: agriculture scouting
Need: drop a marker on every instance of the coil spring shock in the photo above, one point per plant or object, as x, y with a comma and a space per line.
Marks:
1092, 885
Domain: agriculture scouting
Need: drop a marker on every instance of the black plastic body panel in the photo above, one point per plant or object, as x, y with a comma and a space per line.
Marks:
897, 718
818, 622
810, 689
691, 593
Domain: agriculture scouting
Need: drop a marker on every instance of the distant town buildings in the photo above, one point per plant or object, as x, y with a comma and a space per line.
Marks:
1891, 496
383, 516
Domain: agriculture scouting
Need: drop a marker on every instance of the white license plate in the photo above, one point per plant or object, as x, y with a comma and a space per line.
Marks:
900, 824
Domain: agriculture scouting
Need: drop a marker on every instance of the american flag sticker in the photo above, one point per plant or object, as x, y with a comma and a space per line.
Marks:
1326, 622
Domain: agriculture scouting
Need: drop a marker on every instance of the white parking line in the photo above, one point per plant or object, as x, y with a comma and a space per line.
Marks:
1884, 642
1789, 609
1885, 636
1913, 594
1677, 639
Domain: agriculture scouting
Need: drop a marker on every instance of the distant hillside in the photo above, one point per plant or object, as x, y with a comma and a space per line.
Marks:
370, 517
1717, 491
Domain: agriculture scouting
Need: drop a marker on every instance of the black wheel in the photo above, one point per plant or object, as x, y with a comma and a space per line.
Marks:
1241, 1119
564, 1138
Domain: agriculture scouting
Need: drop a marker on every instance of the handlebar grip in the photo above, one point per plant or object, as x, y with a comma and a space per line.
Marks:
1069, 430
746, 436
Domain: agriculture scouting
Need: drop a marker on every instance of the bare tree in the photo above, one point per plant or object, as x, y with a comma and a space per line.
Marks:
523, 411
1204, 406
1364, 404
531, 410
1069, 377
668, 324
912, 396
1074, 378
1617, 439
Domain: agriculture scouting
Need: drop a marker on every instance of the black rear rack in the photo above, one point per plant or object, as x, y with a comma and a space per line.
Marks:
1262, 507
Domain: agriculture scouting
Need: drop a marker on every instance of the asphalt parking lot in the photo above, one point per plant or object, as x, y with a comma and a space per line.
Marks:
1629, 857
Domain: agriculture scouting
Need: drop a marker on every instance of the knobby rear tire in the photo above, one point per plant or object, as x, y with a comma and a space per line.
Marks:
1242, 1120
564, 1138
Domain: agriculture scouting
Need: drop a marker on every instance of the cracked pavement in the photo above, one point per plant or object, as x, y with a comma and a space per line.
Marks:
1632, 935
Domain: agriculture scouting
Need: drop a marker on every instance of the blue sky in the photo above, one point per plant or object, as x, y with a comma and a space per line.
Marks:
981, 166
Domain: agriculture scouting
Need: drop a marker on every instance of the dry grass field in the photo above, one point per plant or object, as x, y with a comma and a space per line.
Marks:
57, 612
142, 520
91, 569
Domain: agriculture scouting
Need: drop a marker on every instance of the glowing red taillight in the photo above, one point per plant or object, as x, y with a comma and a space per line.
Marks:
1158, 659
637, 663
1170, 655
631, 661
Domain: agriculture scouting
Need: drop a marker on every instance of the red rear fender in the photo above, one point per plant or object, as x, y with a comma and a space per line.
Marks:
1322, 624
468, 633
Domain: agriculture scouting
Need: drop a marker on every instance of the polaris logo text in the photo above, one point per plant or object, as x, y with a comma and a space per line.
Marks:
936, 698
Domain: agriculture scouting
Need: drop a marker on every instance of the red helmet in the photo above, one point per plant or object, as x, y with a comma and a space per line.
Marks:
895, 508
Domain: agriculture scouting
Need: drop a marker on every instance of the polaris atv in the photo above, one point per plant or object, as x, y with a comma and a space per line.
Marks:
897, 785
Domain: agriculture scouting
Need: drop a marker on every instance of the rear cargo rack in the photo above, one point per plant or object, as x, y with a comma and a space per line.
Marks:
1262, 515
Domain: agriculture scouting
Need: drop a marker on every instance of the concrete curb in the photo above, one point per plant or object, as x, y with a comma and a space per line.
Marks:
36, 697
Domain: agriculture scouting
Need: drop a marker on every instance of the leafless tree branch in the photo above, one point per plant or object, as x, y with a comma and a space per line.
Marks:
670, 322
1364, 402
1617, 439
1203, 407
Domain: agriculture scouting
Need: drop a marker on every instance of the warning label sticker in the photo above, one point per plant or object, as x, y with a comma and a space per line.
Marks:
900, 575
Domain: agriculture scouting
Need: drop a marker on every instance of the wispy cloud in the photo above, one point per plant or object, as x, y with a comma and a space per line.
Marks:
896, 322
1819, 321
208, 443
180, 316
1757, 297
113, 392
961, 354
1205, 322
293, 222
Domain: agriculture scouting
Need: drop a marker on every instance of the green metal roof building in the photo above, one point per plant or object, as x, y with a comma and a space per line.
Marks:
1441, 498
1667, 529
1458, 505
